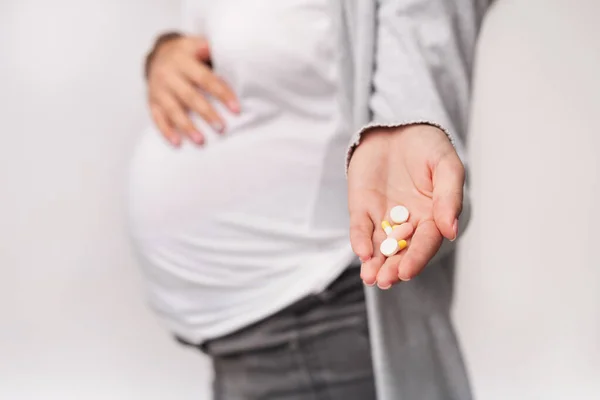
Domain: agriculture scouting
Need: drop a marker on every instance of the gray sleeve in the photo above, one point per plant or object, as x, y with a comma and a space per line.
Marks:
423, 59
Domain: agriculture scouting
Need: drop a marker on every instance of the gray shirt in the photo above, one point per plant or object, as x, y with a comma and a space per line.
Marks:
410, 61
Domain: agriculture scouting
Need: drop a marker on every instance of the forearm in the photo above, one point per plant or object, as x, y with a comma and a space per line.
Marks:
190, 23
423, 65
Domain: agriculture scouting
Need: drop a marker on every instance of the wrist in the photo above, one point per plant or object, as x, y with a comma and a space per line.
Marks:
421, 129
386, 132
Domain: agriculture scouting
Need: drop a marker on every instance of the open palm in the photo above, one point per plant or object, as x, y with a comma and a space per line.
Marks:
414, 166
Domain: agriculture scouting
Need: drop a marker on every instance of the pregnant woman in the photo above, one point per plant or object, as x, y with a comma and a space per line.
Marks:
241, 221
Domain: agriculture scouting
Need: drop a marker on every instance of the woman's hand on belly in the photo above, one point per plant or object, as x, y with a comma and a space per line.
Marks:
176, 69
414, 166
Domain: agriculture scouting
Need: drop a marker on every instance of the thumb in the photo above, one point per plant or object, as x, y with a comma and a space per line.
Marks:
448, 181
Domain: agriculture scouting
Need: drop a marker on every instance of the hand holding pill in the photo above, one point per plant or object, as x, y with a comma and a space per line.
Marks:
411, 175
394, 243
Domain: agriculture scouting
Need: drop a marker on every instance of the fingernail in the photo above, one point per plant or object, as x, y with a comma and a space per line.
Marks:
404, 279
217, 126
389, 285
364, 259
455, 229
233, 106
369, 284
197, 138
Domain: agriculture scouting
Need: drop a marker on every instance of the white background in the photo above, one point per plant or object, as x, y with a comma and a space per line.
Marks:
73, 322
528, 299
73, 318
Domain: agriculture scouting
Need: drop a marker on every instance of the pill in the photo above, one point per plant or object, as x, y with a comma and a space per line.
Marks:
387, 227
402, 231
389, 247
402, 244
399, 214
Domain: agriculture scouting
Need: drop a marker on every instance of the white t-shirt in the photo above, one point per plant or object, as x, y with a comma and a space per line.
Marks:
234, 231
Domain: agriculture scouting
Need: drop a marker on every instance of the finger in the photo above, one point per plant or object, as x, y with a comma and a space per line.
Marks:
402, 231
448, 181
208, 81
370, 269
193, 100
367, 209
361, 235
425, 242
164, 125
175, 113
388, 273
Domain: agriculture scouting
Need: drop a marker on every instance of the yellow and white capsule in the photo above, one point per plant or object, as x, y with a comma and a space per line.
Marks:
391, 246
387, 227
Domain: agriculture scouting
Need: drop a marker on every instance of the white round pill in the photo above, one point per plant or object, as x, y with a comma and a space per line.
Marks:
399, 214
389, 247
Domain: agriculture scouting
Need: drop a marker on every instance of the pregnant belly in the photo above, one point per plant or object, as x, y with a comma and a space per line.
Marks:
244, 199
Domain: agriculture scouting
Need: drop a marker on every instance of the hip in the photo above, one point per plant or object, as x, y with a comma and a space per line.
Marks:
318, 347
199, 303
